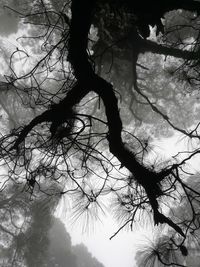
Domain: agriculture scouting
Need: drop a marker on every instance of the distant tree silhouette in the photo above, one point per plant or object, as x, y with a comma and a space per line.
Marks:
61, 251
32, 236
84, 258
24, 227
75, 129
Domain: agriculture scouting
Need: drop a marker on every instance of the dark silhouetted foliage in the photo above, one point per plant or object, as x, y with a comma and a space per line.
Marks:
104, 81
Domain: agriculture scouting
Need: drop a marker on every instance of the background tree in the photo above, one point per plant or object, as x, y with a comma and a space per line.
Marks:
86, 51
61, 250
32, 236
25, 222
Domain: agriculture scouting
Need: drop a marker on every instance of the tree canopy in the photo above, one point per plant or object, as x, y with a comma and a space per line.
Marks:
101, 81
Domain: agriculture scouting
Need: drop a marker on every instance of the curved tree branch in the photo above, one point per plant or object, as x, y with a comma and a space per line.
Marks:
80, 25
87, 81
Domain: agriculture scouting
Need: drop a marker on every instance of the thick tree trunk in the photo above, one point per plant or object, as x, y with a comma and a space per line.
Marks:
87, 81
86, 77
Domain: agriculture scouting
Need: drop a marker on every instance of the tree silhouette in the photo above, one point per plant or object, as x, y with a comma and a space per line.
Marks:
25, 223
76, 130
32, 236
61, 251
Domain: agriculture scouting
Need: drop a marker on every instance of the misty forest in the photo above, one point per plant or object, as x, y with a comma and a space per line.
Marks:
87, 92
